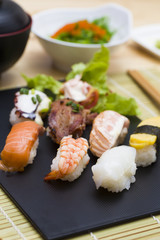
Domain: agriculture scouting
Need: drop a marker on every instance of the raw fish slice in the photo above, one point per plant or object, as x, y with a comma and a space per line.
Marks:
109, 129
108, 126
96, 144
94, 138
19, 144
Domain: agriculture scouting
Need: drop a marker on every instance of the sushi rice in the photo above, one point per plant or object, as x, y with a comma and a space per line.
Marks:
75, 174
146, 156
33, 152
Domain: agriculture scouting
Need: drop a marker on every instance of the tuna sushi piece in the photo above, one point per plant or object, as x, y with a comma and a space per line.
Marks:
115, 170
145, 140
21, 146
70, 161
29, 105
109, 129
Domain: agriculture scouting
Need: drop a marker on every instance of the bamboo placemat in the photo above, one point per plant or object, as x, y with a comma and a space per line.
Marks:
13, 224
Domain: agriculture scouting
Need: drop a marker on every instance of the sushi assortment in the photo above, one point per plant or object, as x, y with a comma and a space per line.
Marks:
116, 165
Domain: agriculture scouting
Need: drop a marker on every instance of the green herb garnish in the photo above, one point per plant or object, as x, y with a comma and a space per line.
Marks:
75, 106
33, 91
69, 103
34, 100
24, 91
43, 82
44, 110
157, 44
38, 98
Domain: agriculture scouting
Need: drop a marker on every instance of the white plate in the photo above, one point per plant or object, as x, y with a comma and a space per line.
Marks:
146, 37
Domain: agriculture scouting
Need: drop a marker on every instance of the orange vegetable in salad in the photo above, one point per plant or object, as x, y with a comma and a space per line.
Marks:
85, 32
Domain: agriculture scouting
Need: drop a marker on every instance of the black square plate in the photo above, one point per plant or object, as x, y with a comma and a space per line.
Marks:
61, 209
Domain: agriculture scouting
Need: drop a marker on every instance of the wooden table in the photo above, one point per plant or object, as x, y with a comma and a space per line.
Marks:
129, 56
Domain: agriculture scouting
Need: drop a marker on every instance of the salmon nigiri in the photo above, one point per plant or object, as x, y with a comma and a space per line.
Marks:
109, 130
21, 146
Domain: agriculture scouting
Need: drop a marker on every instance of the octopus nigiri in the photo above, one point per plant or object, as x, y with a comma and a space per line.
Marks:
21, 146
29, 105
70, 161
109, 129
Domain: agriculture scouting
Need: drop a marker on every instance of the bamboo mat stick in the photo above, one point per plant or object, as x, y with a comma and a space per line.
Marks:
144, 83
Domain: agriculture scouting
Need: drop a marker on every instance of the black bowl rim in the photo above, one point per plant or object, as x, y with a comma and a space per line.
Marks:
19, 31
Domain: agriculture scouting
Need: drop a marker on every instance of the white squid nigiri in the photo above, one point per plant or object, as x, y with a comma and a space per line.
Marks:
115, 169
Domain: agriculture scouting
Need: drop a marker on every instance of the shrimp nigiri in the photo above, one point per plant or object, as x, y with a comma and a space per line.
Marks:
21, 145
70, 161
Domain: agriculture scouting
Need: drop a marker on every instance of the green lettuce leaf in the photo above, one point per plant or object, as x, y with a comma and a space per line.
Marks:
115, 102
103, 22
95, 71
77, 68
42, 82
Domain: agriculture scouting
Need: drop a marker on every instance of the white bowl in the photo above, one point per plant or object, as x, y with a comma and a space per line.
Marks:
65, 54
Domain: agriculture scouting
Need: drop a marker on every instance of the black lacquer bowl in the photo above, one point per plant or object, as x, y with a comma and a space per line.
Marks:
15, 26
